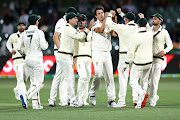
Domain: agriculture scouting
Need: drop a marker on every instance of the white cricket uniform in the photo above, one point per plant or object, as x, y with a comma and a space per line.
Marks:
158, 45
140, 54
82, 59
101, 47
18, 63
65, 55
125, 33
63, 96
34, 42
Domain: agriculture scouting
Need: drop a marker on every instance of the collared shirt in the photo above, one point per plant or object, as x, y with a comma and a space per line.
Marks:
12, 45
68, 36
101, 41
140, 49
60, 24
34, 42
167, 39
124, 32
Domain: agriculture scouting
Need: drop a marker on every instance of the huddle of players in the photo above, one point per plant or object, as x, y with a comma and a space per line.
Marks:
141, 51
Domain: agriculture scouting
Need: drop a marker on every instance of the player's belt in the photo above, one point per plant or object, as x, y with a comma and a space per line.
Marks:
18, 58
82, 56
158, 57
141, 64
65, 53
123, 52
55, 49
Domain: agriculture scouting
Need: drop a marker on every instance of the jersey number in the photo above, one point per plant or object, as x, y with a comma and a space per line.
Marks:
30, 38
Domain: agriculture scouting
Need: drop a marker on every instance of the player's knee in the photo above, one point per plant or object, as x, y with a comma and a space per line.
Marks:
98, 75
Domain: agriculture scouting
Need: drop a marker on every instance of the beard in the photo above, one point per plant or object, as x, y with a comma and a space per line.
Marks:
21, 30
155, 24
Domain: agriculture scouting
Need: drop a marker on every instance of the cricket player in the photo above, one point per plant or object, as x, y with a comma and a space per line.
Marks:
82, 59
34, 42
18, 60
101, 47
160, 38
141, 56
125, 32
63, 92
66, 51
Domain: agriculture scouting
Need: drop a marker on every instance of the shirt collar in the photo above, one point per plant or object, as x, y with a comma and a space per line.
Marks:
160, 28
142, 29
131, 22
64, 17
33, 26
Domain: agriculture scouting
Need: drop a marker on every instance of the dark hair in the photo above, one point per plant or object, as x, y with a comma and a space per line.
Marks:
98, 8
142, 25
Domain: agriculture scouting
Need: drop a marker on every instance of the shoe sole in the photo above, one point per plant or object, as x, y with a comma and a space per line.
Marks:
52, 105
134, 103
23, 103
143, 104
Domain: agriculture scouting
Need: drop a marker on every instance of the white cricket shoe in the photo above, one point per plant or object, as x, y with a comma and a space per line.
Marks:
112, 104
92, 100
63, 103
153, 104
24, 101
17, 96
52, 103
141, 98
79, 103
121, 105
85, 103
37, 107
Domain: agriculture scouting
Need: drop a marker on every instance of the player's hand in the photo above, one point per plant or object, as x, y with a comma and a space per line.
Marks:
13, 52
114, 19
119, 10
113, 13
162, 53
91, 24
106, 14
123, 70
141, 15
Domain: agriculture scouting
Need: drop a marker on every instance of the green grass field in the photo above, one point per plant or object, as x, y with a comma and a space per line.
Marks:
168, 106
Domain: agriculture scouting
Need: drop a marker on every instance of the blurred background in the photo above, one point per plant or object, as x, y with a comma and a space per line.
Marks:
51, 11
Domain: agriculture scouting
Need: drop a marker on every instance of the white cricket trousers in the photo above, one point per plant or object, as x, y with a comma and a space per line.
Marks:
135, 75
154, 81
84, 72
123, 81
21, 75
68, 75
103, 65
36, 71
59, 82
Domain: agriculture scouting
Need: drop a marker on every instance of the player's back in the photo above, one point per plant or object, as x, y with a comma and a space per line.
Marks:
34, 41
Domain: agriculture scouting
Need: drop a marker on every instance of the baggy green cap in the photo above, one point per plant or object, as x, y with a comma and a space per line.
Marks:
70, 16
142, 21
71, 9
33, 18
21, 22
158, 16
129, 16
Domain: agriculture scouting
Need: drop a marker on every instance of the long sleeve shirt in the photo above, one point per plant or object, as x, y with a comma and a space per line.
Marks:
124, 32
34, 42
11, 44
68, 36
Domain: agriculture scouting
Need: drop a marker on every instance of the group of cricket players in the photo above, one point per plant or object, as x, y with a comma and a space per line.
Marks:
141, 51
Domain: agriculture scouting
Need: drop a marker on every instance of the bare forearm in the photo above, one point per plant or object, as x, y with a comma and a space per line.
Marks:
56, 39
